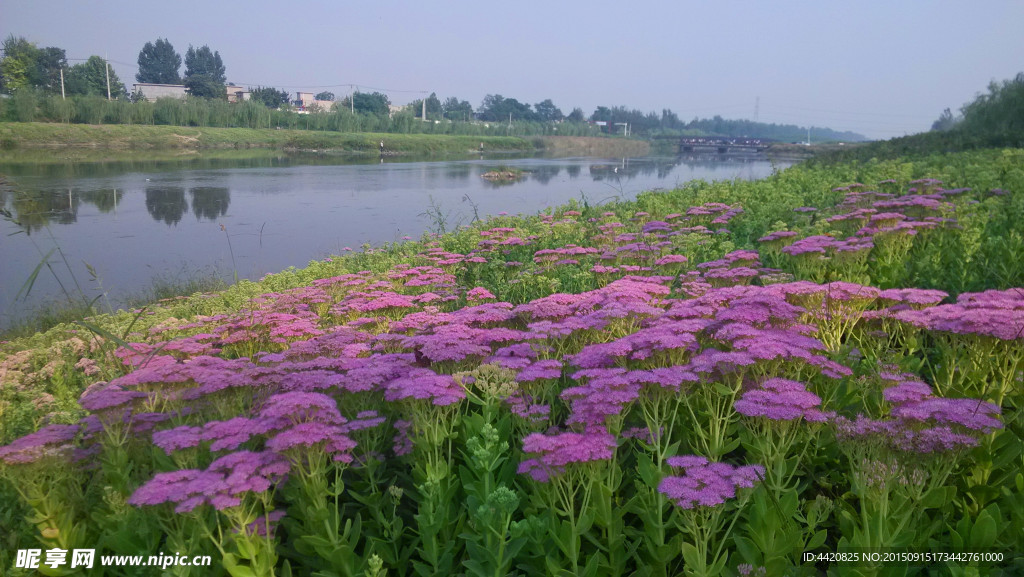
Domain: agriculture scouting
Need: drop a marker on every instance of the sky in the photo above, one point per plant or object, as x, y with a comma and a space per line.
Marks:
882, 68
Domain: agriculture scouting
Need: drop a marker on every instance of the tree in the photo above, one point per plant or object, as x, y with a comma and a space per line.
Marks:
159, 63
375, 104
497, 108
271, 97
548, 112
434, 108
576, 115
90, 78
946, 121
601, 114
454, 109
327, 96
204, 73
25, 65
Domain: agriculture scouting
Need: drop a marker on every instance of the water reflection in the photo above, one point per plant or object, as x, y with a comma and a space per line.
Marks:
210, 202
35, 211
105, 200
166, 203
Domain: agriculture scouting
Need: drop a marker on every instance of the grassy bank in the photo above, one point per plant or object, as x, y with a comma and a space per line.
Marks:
543, 393
20, 135
118, 138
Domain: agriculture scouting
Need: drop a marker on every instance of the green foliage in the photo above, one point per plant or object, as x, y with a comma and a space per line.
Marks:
434, 108
374, 104
998, 115
548, 112
455, 109
270, 97
159, 63
205, 73
991, 120
90, 79
497, 108
24, 65
946, 121
325, 95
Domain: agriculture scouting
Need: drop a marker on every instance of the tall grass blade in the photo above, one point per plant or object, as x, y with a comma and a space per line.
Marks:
31, 280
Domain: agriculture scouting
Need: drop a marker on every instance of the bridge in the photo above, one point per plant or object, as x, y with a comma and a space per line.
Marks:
721, 144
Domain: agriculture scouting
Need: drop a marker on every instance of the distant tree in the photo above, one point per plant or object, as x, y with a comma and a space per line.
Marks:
576, 115
159, 63
997, 117
49, 63
602, 114
204, 73
497, 108
669, 120
434, 109
375, 104
271, 97
548, 112
90, 78
25, 65
17, 64
455, 109
946, 121
328, 96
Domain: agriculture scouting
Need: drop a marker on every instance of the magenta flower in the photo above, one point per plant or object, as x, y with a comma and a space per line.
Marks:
555, 452
705, 484
50, 440
780, 400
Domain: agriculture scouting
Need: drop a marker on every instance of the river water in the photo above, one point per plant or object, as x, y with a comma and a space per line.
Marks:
110, 228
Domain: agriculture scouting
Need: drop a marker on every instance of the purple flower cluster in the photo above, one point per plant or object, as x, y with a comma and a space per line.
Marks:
223, 484
997, 314
900, 435
553, 453
827, 246
705, 484
51, 440
781, 400
425, 384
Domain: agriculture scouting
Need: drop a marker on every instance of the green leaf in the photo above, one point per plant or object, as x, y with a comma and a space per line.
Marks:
231, 565
984, 531
691, 557
817, 540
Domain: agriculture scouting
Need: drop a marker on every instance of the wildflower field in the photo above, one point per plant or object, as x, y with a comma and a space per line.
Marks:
733, 378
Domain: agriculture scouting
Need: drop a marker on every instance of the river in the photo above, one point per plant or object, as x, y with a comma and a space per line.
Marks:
111, 228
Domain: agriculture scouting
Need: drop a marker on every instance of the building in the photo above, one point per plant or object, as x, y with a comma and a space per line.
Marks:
237, 93
153, 91
306, 102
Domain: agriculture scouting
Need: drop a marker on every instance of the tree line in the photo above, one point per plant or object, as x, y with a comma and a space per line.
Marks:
26, 68
993, 119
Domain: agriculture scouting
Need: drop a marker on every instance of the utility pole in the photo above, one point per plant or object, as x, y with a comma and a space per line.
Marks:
352, 99
108, 76
62, 83
424, 109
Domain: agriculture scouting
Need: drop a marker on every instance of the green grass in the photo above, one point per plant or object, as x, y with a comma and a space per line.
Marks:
21, 135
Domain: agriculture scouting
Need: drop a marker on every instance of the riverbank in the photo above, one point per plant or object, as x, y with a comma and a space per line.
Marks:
118, 138
669, 305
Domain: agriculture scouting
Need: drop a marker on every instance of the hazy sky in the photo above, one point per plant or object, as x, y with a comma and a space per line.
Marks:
879, 67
